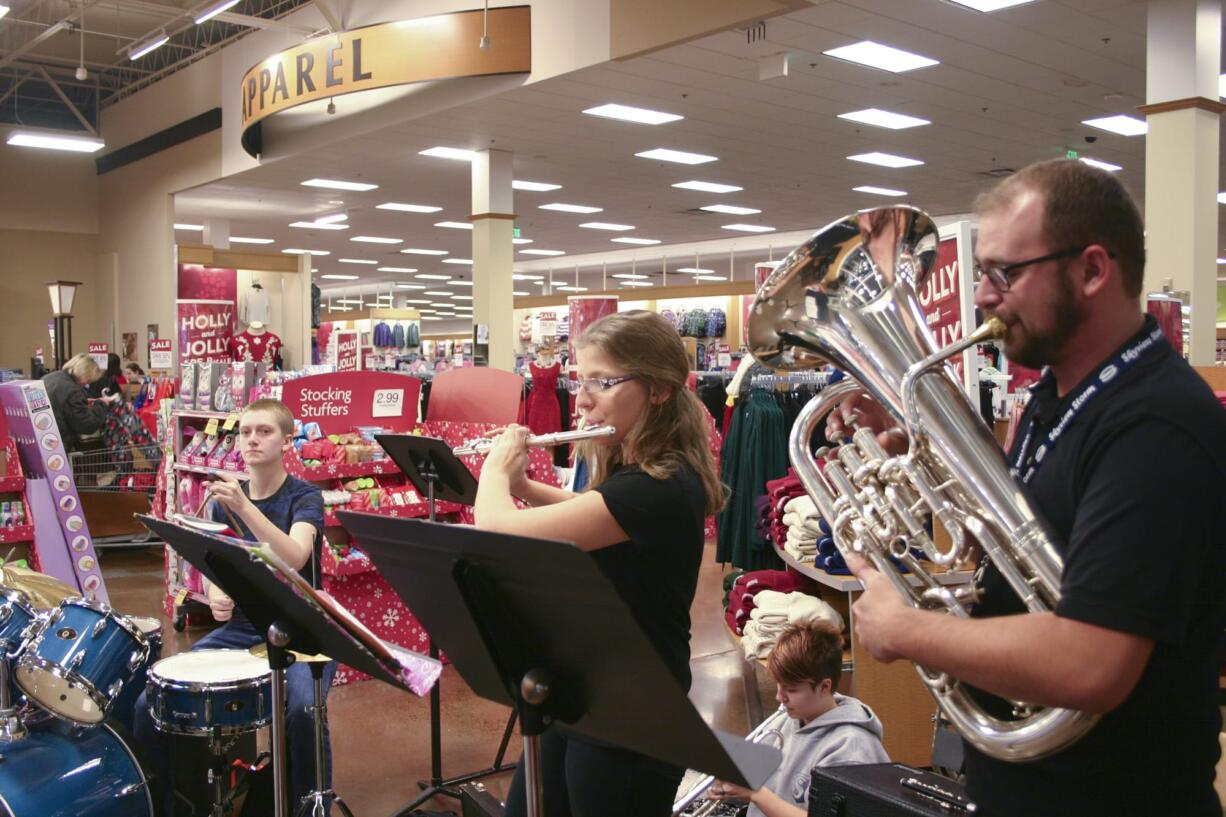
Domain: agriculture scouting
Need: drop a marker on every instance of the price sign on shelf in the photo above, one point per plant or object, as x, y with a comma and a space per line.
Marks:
388, 403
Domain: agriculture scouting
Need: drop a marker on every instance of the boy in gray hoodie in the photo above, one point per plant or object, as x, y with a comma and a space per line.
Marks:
823, 728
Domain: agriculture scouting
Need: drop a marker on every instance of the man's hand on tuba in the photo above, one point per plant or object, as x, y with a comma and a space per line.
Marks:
862, 411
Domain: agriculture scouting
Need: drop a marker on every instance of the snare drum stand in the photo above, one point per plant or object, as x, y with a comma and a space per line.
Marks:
315, 803
222, 804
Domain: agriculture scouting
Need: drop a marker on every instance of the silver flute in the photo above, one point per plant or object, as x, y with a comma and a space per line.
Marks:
482, 445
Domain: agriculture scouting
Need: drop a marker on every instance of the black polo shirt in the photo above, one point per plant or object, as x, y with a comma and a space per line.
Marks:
1133, 493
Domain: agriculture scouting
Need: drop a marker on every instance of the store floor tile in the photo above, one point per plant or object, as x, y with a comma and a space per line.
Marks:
381, 735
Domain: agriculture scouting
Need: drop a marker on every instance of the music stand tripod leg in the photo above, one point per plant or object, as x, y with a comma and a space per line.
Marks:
279, 660
315, 803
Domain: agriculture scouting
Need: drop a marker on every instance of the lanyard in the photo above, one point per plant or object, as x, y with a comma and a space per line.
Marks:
1027, 465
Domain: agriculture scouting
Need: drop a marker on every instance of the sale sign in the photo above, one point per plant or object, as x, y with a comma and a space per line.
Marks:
100, 352
160, 353
205, 329
347, 357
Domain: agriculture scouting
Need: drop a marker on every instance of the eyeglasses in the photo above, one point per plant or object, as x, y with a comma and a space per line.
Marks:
595, 385
1002, 276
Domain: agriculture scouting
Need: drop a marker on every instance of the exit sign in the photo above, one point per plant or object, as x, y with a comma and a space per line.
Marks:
516, 231
1070, 154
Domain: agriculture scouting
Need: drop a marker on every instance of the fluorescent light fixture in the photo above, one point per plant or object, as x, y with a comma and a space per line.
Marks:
455, 225
191, 228
678, 156
296, 251
431, 276
1121, 124
884, 119
572, 289
885, 159
429, 317
1100, 164
879, 191
459, 283
632, 240
334, 184
571, 208
437, 292
332, 218
630, 276
991, 5
341, 278
628, 113
419, 251
211, 10
542, 252
234, 239
135, 52
318, 225
356, 261
468, 262
698, 270
76, 144
449, 153
637, 284
1221, 198
729, 209
708, 187
876, 55
416, 301
525, 277
710, 278
459, 297
410, 286
407, 208
349, 301
519, 292
376, 239
749, 228
521, 240
604, 225
4, 10
1221, 85
397, 269
535, 187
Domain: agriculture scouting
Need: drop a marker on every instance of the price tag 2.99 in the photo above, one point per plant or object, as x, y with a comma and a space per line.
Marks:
388, 403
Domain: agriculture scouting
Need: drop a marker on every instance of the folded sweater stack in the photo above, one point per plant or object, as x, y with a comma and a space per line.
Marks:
742, 597
774, 612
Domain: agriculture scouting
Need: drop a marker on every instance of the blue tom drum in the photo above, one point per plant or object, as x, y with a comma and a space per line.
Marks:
124, 708
17, 616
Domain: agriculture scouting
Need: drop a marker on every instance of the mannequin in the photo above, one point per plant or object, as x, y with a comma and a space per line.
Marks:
543, 409
255, 344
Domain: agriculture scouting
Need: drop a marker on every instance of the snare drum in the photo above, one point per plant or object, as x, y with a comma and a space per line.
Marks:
61, 770
16, 617
79, 660
125, 705
207, 692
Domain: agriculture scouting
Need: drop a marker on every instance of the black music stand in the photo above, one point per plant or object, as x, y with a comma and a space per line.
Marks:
290, 622
519, 618
436, 473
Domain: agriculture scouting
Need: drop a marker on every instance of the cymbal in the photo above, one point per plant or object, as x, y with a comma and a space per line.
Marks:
43, 591
261, 651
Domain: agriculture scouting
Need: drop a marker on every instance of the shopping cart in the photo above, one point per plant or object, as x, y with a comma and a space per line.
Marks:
115, 484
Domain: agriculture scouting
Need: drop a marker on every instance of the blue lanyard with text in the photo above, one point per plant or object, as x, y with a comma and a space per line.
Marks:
1026, 466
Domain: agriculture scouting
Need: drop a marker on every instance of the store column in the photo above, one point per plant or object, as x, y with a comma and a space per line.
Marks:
1181, 159
217, 233
493, 221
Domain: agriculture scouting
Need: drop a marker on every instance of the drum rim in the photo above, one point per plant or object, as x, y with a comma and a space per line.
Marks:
178, 684
18, 597
107, 611
140, 770
29, 658
204, 731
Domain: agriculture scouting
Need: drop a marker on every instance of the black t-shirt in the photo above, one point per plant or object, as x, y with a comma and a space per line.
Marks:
1131, 492
656, 570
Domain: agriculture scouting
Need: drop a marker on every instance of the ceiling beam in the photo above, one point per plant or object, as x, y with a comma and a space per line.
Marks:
333, 21
55, 86
55, 28
13, 88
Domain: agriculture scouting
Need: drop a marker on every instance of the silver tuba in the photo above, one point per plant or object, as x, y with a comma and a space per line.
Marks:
848, 297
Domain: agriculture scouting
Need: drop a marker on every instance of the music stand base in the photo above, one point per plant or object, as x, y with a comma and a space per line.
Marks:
315, 804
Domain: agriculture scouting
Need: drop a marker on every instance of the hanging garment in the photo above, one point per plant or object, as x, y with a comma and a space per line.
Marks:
255, 306
315, 298
383, 337
525, 329
754, 451
412, 337
262, 348
398, 336
543, 411
717, 323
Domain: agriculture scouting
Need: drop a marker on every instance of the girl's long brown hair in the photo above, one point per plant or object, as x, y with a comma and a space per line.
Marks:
671, 432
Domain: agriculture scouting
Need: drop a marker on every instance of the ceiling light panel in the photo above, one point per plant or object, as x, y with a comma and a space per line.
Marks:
698, 270
636, 284
521, 240
336, 184
991, 5
884, 119
50, 141
410, 286
1123, 125
879, 191
885, 160
407, 208
542, 252
459, 154
708, 187
318, 225
432, 276
356, 261
729, 209
884, 57
234, 239
628, 113
397, 269
337, 277
454, 225
468, 262
630, 276
748, 228
571, 208
376, 239
437, 292
710, 278
459, 283
296, 251
604, 225
642, 242
678, 156
572, 289
419, 251
1101, 165
191, 228
519, 292
534, 187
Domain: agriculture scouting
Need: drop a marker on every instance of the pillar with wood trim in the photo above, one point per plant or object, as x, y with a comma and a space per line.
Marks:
1181, 159
493, 218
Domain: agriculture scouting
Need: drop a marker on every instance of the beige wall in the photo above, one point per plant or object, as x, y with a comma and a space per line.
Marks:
28, 259
48, 190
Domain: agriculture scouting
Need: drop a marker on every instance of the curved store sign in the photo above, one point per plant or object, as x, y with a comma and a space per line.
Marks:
444, 46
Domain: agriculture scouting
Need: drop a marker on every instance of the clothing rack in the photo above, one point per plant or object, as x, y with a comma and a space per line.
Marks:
791, 379
722, 374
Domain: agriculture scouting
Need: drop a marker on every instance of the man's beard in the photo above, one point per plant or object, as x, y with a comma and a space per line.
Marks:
1037, 351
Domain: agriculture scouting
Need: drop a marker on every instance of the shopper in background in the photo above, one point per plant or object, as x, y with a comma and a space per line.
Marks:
1129, 488
133, 372
641, 518
75, 413
823, 728
112, 380
287, 514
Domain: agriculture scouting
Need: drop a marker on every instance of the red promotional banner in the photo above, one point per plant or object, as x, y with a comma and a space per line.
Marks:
940, 296
205, 329
347, 357
584, 312
199, 283
341, 401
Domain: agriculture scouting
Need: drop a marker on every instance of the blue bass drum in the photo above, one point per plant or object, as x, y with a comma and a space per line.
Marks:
79, 660
61, 770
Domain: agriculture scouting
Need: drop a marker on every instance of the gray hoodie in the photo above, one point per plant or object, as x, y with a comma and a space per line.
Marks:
850, 733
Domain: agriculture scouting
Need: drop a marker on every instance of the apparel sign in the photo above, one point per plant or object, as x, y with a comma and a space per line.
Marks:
205, 329
384, 55
100, 352
161, 355
1027, 465
347, 357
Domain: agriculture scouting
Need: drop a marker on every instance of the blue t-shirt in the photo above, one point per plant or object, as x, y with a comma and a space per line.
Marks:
295, 501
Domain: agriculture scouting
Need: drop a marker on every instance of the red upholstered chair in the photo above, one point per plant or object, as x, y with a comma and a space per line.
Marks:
475, 395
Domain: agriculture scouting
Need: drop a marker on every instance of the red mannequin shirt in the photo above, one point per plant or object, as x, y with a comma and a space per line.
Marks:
261, 348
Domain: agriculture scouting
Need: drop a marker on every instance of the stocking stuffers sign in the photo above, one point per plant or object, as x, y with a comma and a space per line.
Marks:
205, 329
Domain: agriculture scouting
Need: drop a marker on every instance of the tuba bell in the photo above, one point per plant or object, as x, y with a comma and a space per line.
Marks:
847, 297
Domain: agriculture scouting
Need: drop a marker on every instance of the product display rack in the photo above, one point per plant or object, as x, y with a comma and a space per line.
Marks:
13, 487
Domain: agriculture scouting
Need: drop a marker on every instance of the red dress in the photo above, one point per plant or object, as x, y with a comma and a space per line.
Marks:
544, 412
